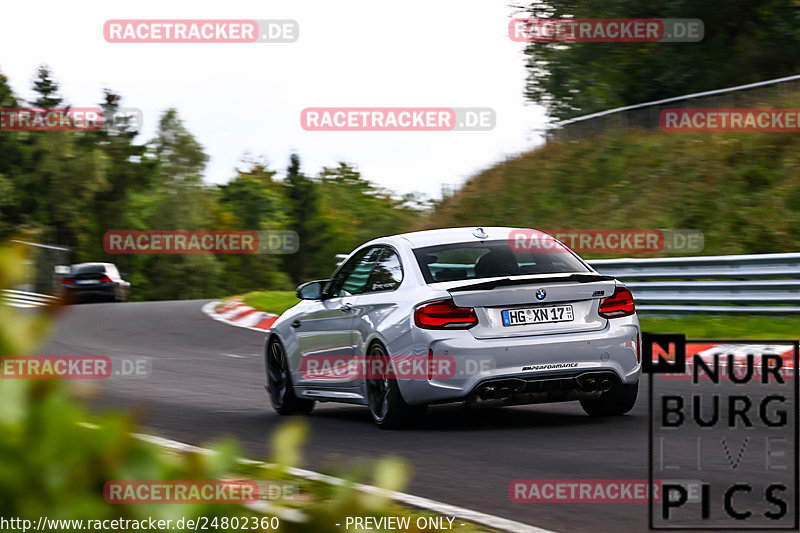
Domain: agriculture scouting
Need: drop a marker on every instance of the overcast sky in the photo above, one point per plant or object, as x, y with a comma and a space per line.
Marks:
247, 98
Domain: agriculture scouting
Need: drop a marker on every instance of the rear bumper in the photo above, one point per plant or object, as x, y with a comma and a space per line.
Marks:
89, 292
534, 363
543, 389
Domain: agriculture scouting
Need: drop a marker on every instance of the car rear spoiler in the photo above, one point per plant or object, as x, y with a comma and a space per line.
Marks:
505, 282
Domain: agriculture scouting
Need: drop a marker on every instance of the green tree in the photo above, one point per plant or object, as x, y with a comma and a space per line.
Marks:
253, 201
12, 162
129, 169
745, 41
60, 177
305, 219
251, 196
181, 157
357, 211
46, 89
177, 200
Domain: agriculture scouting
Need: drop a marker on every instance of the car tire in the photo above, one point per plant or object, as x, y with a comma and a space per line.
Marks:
385, 401
615, 402
279, 382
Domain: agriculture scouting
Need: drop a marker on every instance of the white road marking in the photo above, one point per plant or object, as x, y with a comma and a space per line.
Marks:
445, 509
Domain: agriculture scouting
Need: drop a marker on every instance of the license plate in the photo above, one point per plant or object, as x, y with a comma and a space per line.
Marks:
537, 315
87, 281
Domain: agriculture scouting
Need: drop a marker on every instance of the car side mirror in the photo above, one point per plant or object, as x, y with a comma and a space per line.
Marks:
311, 290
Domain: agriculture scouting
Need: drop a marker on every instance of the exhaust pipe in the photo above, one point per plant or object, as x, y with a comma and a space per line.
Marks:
503, 393
501, 390
589, 384
488, 393
596, 382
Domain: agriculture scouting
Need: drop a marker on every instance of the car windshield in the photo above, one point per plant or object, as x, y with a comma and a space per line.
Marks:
451, 262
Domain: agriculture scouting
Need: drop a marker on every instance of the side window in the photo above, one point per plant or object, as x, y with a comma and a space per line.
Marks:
387, 274
353, 276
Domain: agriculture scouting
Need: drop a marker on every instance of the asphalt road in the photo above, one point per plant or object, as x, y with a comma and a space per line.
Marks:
207, 382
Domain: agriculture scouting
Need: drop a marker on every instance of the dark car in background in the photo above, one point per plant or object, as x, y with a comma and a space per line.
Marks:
94, 282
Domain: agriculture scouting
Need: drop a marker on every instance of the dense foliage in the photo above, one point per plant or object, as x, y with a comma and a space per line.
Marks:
745, 41
69, 188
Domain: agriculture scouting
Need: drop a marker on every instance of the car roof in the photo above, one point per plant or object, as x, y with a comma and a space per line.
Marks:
433, 237
91, 264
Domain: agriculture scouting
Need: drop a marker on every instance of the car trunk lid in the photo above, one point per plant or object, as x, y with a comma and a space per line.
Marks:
567, 303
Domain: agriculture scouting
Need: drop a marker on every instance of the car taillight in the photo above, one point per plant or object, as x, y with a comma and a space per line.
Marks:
443, 314
105, 279
66, 281
618, 305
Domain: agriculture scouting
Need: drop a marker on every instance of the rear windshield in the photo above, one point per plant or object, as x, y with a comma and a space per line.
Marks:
451, 262
88, 269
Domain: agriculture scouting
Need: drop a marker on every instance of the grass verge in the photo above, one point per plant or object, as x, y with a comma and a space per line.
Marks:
725, 327
275, 302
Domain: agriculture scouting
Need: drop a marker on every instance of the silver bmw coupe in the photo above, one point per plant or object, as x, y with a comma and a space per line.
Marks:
486, 316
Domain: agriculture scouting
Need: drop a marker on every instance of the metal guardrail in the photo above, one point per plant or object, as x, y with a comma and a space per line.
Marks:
675, 99
703, 267
778, 92
746, 284
42, 260
760, 283
25, 299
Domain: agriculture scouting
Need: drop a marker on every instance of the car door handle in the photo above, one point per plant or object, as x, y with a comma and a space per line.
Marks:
296, 324
346, 308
